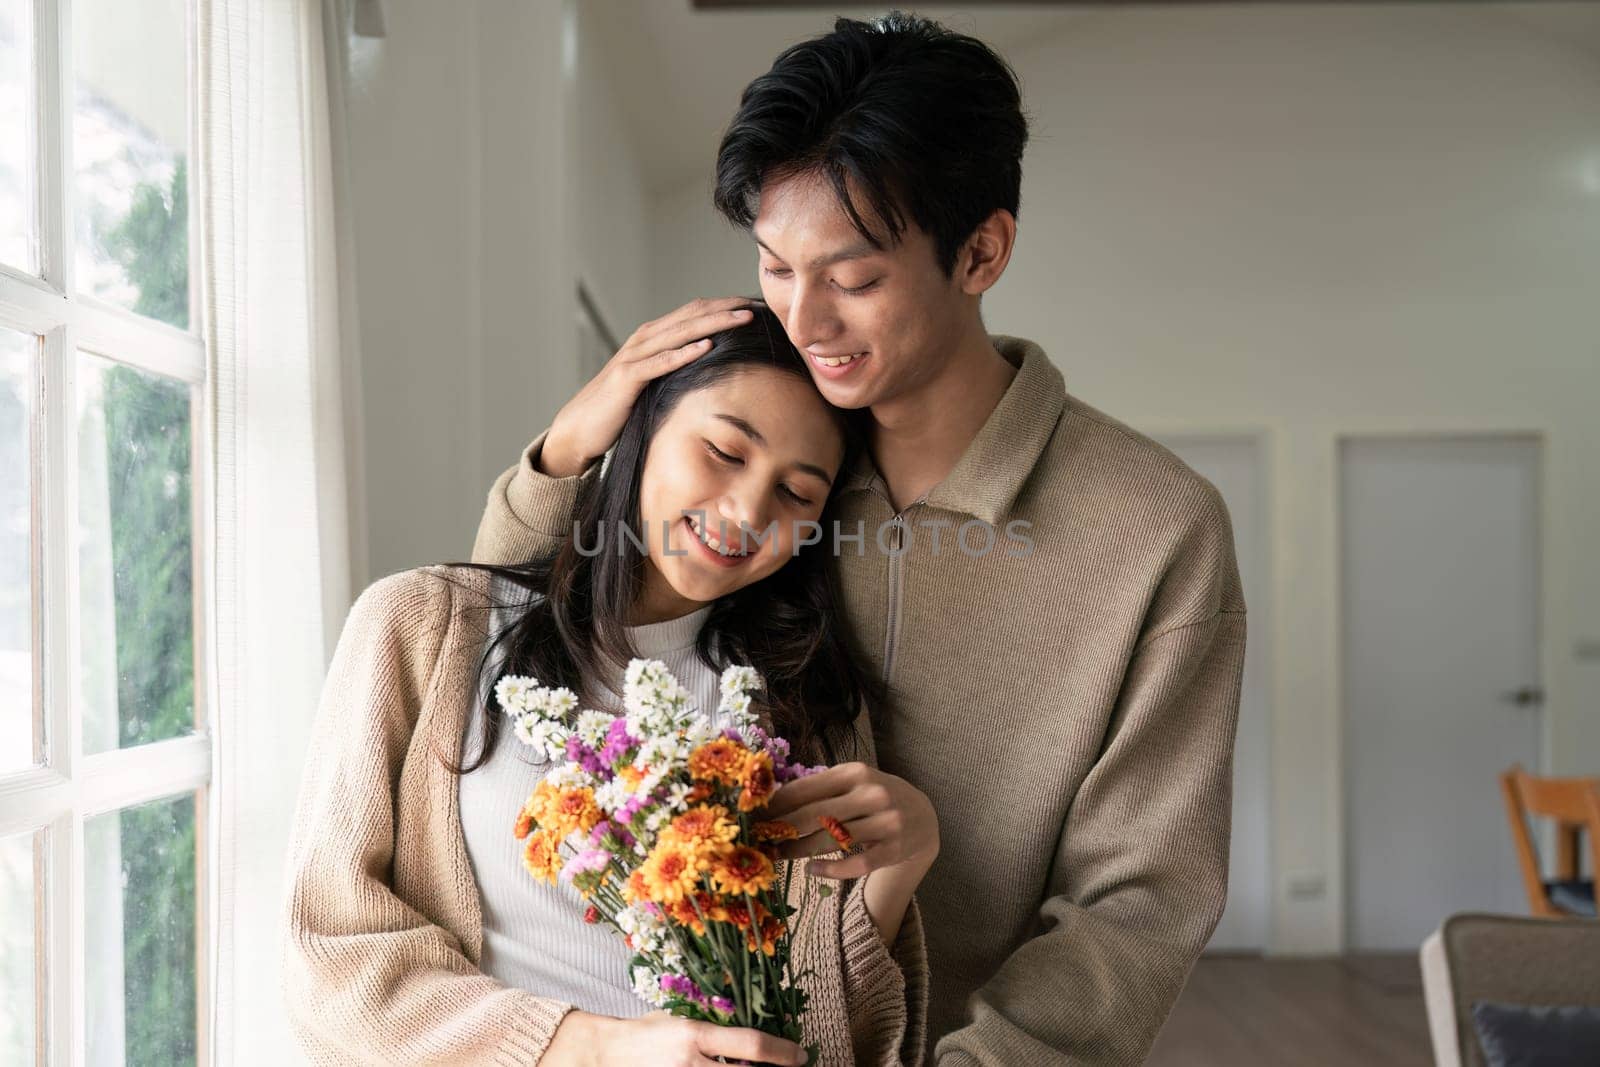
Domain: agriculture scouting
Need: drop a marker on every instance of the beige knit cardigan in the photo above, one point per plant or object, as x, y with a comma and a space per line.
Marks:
383, 929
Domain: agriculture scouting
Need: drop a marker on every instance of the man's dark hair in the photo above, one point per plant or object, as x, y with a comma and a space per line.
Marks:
926, 122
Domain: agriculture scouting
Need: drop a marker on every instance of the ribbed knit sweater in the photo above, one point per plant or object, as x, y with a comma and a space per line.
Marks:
1069, 709
383, 927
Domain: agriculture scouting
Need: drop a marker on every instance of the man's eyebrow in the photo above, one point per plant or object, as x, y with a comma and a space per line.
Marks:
755, 435
860, 250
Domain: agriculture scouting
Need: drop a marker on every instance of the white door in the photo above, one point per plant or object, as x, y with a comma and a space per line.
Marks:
1440, 593
1234, 466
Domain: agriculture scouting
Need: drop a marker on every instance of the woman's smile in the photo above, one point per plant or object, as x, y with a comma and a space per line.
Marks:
711, 549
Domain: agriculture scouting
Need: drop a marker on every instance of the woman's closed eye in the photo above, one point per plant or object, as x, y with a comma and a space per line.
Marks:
735, 461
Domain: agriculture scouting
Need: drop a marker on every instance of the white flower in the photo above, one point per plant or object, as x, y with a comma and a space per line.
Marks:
523, 728
646, 985
657, 819
570, 776
612, 795
678, 796
660, 753
512, 693
548, 739
650, 783
698, 732
560, 702
738, 679
592, 727
738, 710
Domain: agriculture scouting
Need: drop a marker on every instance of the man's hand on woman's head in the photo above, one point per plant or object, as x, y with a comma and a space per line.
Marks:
590, 423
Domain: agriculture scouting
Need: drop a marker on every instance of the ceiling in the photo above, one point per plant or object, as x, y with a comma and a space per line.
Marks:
677, 73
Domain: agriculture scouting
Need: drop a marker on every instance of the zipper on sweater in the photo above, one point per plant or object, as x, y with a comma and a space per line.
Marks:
891, 627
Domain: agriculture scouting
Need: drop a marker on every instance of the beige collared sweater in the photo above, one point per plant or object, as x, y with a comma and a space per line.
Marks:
1067, 698
383, 926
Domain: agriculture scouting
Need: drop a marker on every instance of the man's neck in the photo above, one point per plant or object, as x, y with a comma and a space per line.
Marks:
919, 436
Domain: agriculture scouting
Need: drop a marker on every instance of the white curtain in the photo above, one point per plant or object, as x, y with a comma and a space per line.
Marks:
277, 271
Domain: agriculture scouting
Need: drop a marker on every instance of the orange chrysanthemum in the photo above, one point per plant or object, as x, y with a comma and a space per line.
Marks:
773, 832
636, 889
542, 855
631, 776
701, 791
772, 928
669, 872
837, 831
571, 811
702, 827
756, 781
524, 824
742, 870
738, 912
721, 760
692, 911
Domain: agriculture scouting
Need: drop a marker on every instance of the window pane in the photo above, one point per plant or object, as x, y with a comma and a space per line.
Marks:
135, 557
19, 217
19, 740
140, 934
130, 139
19, 956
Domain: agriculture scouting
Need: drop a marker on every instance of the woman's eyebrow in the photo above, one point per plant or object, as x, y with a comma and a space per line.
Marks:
755, 435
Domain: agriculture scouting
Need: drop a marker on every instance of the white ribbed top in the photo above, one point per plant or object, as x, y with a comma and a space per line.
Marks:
534, 936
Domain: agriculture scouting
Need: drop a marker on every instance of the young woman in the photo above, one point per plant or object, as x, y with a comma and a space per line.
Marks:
413, 934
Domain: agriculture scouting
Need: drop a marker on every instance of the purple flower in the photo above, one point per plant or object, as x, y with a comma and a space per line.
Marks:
618, 743
679, 986
732, 735
722, 1006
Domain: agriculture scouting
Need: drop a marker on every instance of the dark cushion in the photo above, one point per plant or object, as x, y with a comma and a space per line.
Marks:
1537, 1035
1574, 898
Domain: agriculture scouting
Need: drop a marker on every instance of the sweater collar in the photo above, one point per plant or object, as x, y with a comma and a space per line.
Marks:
654, 639
991, 472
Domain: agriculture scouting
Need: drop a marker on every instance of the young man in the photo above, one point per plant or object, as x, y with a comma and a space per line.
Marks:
1053, 597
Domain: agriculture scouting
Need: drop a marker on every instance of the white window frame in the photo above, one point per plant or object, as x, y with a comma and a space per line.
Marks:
53, 799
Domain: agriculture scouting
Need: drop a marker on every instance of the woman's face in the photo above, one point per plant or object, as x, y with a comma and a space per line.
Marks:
757, 450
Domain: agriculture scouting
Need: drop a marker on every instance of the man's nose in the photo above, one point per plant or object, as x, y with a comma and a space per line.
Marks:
810, 318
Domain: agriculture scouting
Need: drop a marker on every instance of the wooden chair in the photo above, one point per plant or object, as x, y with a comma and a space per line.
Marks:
1574, 804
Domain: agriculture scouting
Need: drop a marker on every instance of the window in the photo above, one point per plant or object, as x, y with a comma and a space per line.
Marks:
105, 751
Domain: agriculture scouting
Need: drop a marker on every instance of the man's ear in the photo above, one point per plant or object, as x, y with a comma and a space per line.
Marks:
984, 257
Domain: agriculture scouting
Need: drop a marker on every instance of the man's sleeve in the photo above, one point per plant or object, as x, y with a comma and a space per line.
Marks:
1141, 869
529, 513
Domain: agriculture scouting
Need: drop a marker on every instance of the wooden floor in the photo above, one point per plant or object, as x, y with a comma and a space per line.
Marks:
1241, 1011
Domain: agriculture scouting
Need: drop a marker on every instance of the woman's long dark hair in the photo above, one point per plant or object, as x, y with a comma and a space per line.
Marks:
788, 626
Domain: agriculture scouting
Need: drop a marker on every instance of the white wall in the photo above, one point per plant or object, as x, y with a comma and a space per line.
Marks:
1310, 221
461, 157
612, 238
470, 125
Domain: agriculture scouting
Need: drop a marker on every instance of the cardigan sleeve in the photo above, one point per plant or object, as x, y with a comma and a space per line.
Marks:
869, 1000
369, 978
1140, 872
529, 513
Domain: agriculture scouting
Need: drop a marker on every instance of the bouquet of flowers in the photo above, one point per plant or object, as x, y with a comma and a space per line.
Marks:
650, 817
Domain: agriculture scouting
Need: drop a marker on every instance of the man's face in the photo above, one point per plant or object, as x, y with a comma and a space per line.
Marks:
893, 311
